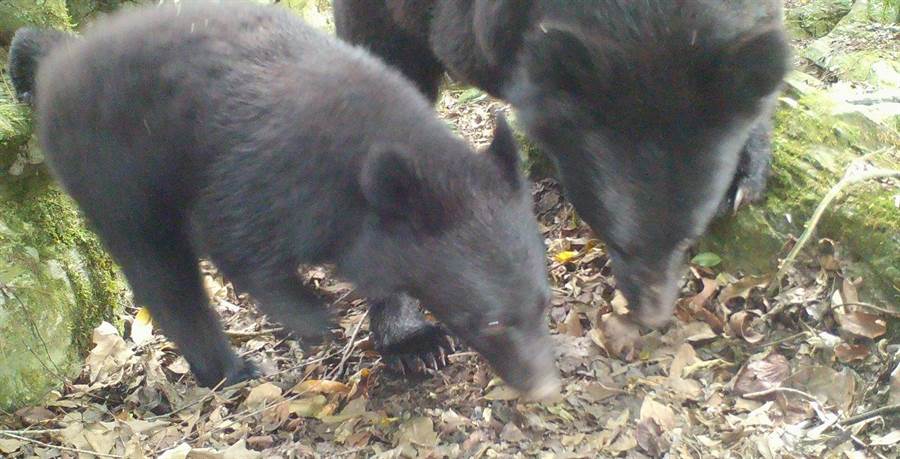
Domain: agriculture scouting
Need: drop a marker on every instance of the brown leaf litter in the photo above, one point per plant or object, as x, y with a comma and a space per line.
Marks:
819, 379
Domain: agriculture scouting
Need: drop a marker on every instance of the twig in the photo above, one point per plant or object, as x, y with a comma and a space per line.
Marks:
779, 341
890, 409
250, 334
850, 178
61, 448
773, 390
31, 431
351, 344
868, 306
211, 394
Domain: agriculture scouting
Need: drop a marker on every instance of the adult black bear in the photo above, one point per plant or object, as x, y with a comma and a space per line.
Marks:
235, 131
653, 110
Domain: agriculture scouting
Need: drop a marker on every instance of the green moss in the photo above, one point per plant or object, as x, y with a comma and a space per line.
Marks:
44, 13
97, 288
536, 163
57, 281
65, 281
15, 118
816, 19
812, 149
859, 65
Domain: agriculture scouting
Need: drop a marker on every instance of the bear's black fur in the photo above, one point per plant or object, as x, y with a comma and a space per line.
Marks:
236, 131
646, 106
28, 47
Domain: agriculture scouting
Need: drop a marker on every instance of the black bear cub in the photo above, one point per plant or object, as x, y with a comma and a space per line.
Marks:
657, 112
236, 131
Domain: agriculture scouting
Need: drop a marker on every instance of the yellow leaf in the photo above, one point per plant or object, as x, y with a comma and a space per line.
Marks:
142, 327
320, 386
143, 316
565, 256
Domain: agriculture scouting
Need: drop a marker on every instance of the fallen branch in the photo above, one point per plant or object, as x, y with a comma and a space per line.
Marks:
884, 410
868, 306
773, 390
351, 344
851, 177
251, 334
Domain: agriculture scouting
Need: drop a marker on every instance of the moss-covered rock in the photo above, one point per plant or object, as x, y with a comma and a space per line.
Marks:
855, 50
44, 13
814, 143
817, 18
82, 11
56, 282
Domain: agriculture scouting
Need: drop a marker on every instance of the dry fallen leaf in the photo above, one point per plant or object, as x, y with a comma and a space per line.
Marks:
709, 288
34, 414
741, 325
239, 451
307, 407
353, 409
512, 433
698, 331
741, 288
619, 303
179, 452
418, 431
659, 413
650, 438
9, 446
109, 353
762, 374
179, 366
888, 439
320, 386
861, 323
850, 352
619, 336
837, 388
263, 394
572, 325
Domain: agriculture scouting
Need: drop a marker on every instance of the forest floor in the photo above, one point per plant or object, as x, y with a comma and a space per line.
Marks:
725, 380
808, 371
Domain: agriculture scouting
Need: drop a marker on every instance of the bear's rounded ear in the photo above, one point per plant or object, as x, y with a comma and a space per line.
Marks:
504, 152
753, 66
389, 181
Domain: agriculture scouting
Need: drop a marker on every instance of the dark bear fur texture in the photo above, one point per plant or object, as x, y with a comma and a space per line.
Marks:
657, 112
236, 131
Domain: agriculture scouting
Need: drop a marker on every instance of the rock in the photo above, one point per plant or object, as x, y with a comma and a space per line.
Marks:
56, 282
817, 18
46, 13
855, 50
817, 136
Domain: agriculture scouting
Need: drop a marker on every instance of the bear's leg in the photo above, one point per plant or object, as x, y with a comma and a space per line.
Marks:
164, 276
371, 25
749, 183
407, 342
281, 295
